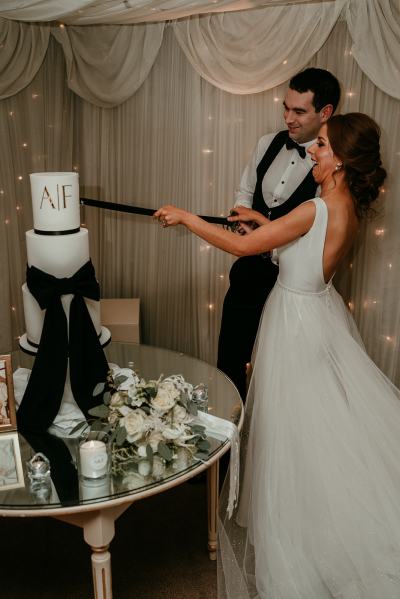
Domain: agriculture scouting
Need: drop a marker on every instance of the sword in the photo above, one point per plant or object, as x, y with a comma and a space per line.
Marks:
218, 220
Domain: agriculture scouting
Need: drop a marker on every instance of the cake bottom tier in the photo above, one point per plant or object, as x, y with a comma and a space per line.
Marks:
34, 317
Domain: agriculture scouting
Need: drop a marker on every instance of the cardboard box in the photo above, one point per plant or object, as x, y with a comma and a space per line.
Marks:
122, 317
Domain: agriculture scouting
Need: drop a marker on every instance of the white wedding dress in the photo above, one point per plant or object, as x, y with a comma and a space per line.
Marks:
319, 509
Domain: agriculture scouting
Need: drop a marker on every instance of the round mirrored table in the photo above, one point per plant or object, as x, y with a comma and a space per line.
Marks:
95, 505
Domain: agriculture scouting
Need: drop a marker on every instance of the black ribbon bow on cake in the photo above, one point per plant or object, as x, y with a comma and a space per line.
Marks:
292, 145
87, 362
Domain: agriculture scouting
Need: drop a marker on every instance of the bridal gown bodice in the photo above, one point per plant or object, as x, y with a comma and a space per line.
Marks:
319, 508
301, 261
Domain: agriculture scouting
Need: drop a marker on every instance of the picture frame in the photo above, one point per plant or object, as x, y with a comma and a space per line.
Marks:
8, 419
11, 471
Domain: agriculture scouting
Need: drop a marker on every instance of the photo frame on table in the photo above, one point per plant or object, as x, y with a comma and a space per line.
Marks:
11, 472
8, 419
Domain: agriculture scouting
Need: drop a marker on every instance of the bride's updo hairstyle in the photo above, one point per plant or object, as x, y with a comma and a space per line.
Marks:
354, 139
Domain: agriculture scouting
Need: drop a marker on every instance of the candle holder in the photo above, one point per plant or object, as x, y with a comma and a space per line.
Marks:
41, 491
94, 455
94, 488
200, 397
38, 468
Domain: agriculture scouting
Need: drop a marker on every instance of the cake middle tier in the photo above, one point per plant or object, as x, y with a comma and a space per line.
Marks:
58, 255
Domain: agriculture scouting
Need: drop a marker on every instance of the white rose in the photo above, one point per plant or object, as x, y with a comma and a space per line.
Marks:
158, 467
154, 438
141, 449
132, 480
179, 414
173, 432
182, 459
113, 417
170, 388
134, 422
133, 396
144, 467
117, 400
165, 399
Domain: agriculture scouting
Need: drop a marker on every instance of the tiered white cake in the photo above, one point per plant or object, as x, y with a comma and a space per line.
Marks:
57, 245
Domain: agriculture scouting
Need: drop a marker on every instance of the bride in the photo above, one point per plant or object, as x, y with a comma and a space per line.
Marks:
319, 509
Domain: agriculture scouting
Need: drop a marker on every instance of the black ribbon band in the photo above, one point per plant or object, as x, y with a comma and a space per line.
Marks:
67, 232
218, 220
87, 362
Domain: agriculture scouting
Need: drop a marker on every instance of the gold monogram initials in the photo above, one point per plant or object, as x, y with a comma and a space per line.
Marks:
61, 202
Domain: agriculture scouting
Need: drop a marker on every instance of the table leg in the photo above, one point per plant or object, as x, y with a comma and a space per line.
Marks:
212, 502
101, 570
98, 531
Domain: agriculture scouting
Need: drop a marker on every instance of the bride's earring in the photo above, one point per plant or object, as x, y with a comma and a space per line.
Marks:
339, 166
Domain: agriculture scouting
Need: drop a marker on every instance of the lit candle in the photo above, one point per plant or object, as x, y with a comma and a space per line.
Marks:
93, 459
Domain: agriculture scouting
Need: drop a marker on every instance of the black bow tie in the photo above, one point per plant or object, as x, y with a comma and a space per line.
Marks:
292, 145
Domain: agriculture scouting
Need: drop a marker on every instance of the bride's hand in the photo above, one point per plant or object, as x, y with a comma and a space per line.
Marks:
169, 216
243, 214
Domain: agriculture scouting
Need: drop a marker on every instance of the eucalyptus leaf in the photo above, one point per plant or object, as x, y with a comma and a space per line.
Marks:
198, 429
113, 436
97, 425
121, 378
203, 445
149, 452
192, 409
99, 388
164, 451
151, 390
100, 411
107, 398
201, 455
121, 436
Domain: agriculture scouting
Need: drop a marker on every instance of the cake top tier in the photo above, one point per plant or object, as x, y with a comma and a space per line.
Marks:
55, 203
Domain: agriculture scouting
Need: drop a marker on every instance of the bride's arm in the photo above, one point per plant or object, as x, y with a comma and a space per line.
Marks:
271, 235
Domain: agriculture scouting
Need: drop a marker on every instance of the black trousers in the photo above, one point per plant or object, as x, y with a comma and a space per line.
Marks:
251, 280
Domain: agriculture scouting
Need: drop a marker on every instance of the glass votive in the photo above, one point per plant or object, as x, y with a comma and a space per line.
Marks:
38, 468
200, 397
41, 491
94, 488
94, 455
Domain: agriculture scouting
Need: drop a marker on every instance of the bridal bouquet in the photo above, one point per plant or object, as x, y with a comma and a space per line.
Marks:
150, 423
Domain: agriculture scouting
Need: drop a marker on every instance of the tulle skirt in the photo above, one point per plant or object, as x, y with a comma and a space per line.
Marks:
319, 509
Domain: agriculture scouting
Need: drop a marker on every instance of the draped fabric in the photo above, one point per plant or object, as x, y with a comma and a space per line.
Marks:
378, 23
181, 139
90, 12
106, 65
256, 50
23, 48
242, 52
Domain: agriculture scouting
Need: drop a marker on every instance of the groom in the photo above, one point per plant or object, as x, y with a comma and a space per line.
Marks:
277, 179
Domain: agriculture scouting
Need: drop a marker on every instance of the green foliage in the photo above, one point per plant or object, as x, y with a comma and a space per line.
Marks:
100, 411
99, 388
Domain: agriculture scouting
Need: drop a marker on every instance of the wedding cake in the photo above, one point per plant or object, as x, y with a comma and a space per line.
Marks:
56, 245
62, 311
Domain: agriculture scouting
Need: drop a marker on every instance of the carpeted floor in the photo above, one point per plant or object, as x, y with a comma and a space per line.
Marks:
159, 552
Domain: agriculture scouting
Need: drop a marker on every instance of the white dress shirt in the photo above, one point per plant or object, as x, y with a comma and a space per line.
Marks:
282, 178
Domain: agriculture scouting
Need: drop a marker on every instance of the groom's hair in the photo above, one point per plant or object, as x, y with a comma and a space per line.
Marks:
322, 83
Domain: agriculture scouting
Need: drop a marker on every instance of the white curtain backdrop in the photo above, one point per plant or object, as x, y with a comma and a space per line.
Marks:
256, 50
91, 12
179, 138
243, 52
106, 65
